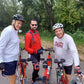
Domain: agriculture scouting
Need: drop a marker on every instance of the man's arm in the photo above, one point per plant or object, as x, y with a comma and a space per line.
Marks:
74, 52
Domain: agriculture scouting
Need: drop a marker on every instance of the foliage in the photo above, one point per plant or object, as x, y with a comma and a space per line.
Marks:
47, 35
68, 13
7, 9
47, 13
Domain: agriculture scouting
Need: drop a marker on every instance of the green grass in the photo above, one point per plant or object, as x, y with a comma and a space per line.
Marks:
21, 45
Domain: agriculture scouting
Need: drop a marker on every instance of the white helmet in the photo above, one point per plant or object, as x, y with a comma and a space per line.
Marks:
57, 25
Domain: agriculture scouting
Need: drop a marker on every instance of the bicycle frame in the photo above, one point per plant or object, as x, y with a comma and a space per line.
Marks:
48, 66
59, 71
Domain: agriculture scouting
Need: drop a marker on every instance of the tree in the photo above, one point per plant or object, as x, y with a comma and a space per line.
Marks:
7, 9
67, 13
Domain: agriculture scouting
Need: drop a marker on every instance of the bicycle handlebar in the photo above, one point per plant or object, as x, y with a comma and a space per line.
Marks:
24, 60
28, 59
49, 49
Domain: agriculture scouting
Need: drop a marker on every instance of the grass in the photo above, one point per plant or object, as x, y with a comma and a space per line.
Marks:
21, 45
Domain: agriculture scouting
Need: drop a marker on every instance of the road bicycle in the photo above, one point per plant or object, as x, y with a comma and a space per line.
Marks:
21, 69
47, 65
59, 71
60, 77
78, 78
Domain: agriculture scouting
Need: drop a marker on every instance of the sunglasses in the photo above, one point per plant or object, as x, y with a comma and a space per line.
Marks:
34, 24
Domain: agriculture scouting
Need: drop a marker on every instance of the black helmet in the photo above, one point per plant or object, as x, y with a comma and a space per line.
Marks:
18, 17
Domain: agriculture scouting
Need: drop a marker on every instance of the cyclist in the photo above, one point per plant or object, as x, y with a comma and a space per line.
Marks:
9, 48
65, 47
33, 47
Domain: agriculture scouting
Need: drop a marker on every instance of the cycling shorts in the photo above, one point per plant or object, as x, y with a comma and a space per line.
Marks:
68, 69
10, 68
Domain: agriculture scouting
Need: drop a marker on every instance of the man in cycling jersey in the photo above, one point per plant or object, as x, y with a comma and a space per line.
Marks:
33, 47
65, 47
9, 48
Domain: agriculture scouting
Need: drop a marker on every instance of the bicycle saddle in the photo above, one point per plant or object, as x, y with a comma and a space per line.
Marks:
59, 61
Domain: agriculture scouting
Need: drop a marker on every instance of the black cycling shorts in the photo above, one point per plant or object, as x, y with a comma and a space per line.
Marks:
68, 69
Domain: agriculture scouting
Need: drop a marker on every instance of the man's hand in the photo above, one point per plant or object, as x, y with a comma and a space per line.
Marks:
77, 69
40, 51
77, 72
2, 66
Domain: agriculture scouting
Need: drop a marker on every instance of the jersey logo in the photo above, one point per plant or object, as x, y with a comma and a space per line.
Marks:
59, 44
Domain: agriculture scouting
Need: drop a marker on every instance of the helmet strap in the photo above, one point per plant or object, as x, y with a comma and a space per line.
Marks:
14, 25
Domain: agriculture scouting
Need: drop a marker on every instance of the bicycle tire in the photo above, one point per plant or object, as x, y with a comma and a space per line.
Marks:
44, 80
60, 82
25, 81
58, 77
18, 77
73, 82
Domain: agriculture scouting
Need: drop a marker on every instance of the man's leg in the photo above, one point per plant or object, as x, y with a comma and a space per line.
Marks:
10, 69
68, 78
12, 79
67, 73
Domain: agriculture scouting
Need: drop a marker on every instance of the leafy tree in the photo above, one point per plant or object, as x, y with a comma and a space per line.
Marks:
67, 13
7, 9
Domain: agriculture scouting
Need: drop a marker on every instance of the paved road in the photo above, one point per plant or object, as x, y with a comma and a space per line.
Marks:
4, 80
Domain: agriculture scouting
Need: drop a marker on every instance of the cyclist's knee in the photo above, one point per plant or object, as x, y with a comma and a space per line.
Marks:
68, 78
36, 66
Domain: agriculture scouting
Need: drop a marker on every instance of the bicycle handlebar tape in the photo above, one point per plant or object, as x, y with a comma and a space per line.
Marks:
48, 49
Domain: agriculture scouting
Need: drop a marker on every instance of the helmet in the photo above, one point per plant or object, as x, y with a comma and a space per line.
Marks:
18, 17
57, 25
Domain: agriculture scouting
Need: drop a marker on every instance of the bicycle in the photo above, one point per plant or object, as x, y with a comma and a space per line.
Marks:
21, 69
47, 64
59, 71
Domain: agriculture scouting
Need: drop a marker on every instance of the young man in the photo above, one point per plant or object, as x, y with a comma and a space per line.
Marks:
33, 47
9, 48
65, 47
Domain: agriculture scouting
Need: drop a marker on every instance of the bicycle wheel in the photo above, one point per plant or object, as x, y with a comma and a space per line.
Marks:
60, 82
58, 77
18, 77
44, 80
25, 81
73, 82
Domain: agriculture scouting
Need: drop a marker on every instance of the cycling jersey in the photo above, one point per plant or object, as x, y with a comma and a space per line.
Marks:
66, 48
36, 41
9, 45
